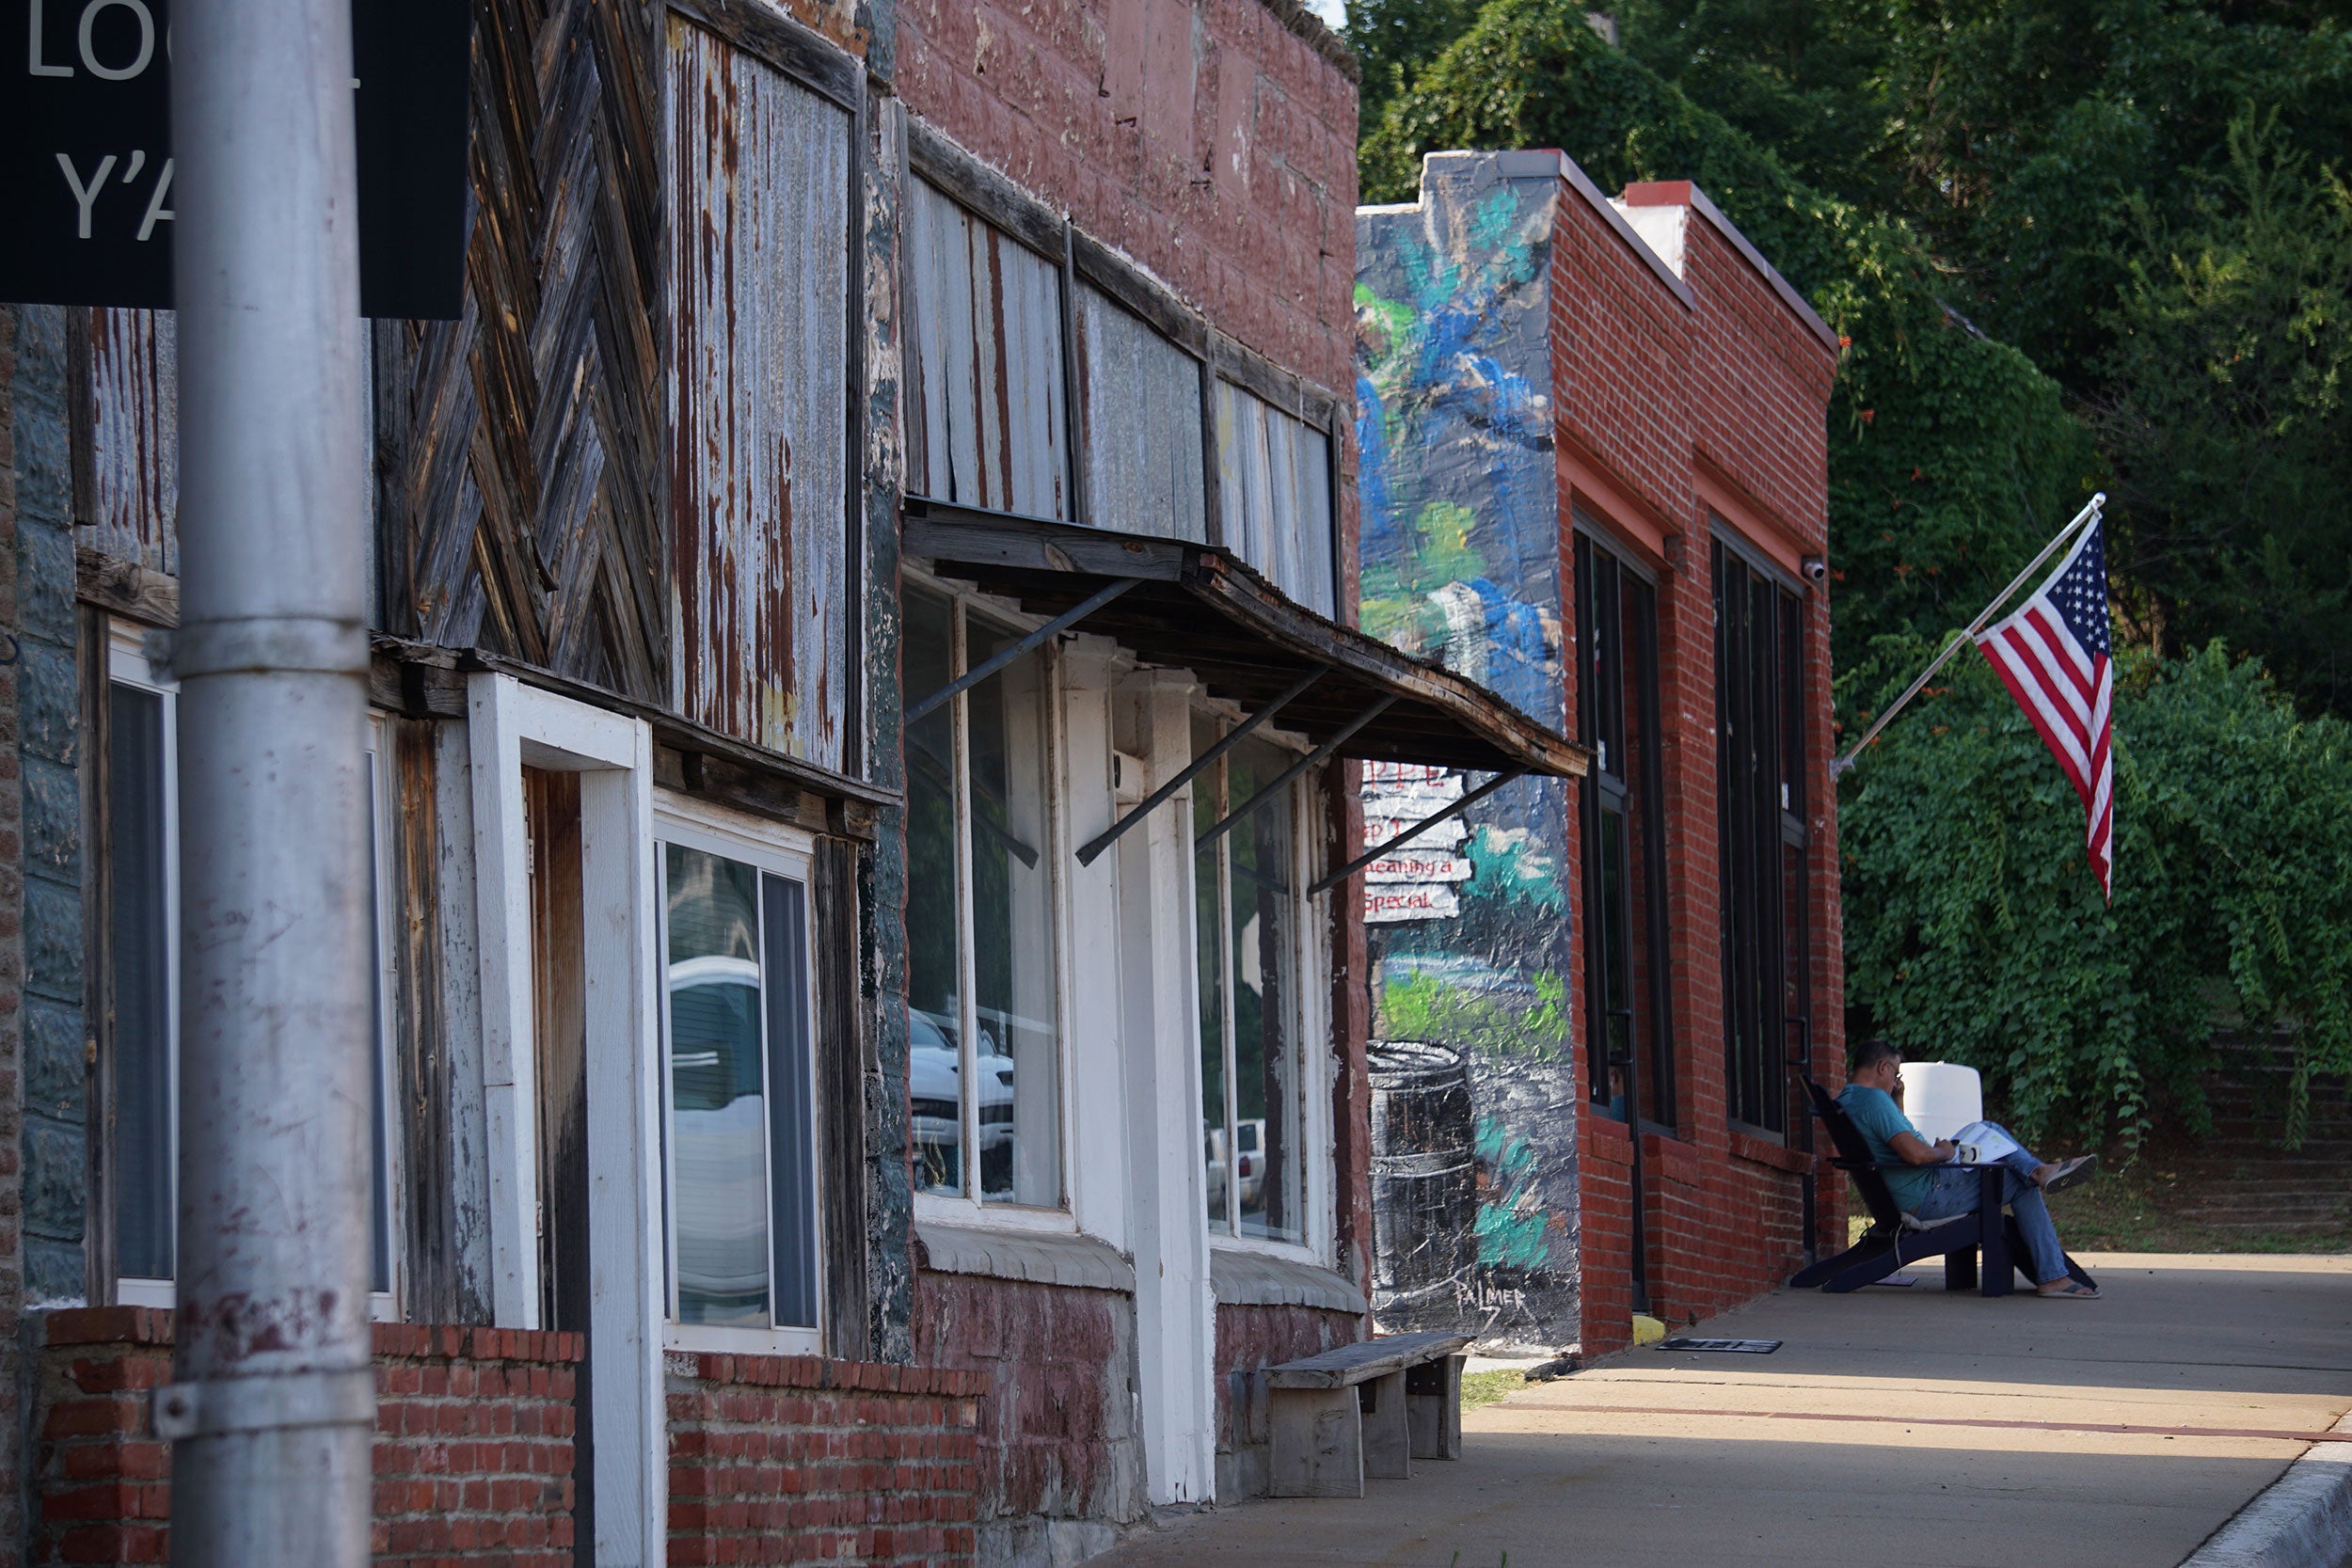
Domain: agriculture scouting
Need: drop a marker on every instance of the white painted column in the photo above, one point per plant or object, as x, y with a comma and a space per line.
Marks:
1097, 1118
1175, 1314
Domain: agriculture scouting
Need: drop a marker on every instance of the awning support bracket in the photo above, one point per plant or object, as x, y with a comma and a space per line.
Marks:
997, 661
1312, 759
1102, 841
1468, 800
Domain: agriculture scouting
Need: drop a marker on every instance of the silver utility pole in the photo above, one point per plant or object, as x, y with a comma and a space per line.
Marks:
274, 1409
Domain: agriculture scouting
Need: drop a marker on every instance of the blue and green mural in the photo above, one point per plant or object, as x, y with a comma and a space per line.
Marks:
1474, 1078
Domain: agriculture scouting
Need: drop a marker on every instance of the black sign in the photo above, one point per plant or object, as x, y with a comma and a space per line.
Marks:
86, 152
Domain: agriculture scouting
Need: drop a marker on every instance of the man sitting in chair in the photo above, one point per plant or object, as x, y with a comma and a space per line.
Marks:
1936, 1187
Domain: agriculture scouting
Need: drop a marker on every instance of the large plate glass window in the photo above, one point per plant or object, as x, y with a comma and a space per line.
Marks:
740, 1081
1252, 1065
140, 1131
1760, 835
1629, 1043
984, 1015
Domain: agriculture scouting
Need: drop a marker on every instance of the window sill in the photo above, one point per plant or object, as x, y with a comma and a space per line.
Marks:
1040, 1257
718, 1341
1244, 1277
1763, 1152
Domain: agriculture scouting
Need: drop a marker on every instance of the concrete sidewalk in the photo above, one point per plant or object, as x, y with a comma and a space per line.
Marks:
1894, 1426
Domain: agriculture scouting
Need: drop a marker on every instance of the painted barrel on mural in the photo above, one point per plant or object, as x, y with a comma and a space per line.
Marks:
1424, 1184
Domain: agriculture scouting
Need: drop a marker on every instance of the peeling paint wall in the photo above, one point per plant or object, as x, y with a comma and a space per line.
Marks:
759, 241
1460, 550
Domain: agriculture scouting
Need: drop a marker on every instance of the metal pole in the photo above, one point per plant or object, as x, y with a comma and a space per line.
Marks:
2086, 515
274, 1410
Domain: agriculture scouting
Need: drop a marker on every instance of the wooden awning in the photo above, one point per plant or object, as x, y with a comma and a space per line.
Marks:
1198, 607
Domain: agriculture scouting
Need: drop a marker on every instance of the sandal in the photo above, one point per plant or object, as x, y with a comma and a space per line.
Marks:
2074, 1289
2071, 1171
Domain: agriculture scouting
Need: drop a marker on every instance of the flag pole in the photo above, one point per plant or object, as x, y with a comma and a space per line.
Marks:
2088, 513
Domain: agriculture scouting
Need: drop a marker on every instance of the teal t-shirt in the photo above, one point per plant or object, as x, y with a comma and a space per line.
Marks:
1879, 1118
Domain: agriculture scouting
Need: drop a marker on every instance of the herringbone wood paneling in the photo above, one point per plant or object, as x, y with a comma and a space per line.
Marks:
521, 454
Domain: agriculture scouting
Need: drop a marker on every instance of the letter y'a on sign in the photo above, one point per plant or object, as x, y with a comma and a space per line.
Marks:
86, 165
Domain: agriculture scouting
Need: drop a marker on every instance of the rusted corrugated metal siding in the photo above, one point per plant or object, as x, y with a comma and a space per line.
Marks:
989, 364
127, 486
760, 399
1274, 491
1141, 394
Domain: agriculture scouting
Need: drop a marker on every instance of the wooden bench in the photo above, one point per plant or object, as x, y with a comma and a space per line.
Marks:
1365, 1409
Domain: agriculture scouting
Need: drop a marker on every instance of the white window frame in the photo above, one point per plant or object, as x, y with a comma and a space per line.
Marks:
773, 851
967, 1208
509, 726
1317, 1228
127, 664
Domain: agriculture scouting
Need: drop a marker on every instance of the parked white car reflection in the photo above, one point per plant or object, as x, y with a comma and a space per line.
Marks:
934, 1075
719, 1120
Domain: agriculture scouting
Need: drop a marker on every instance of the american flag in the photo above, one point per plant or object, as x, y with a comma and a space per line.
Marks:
2054, 657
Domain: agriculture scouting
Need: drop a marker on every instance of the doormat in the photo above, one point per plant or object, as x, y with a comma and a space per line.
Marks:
1740, 1347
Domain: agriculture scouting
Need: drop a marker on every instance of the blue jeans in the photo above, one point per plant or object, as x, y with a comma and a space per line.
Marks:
1955, 1190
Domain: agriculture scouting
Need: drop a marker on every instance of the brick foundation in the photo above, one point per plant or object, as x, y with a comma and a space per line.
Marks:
1058, 1452
795, 1459
473, 1442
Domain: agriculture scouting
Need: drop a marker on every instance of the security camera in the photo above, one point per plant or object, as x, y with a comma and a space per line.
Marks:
1816, 569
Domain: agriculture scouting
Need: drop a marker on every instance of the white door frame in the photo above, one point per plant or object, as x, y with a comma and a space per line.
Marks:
512, 726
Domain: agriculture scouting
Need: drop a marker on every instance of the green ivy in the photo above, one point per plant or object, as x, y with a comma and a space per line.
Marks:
1977, 932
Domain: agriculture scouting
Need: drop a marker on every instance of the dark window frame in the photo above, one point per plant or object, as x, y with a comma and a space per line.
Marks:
1759, 633
1638, 803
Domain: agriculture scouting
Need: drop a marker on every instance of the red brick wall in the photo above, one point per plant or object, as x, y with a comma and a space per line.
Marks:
473, 1444
1057, 1421
794, 1458
1621, 362
1660, 409
1211, 141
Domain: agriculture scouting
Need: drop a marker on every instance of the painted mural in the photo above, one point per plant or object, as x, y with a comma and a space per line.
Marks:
1474, 1077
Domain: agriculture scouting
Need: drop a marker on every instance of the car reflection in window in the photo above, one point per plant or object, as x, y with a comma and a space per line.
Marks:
934, 1085
719, 1109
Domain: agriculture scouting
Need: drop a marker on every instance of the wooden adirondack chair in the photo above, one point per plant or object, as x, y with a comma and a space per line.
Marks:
1895, 1238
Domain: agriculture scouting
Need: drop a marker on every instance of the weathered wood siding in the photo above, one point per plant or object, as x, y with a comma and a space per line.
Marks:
1274, 489
989, 373
760, 399
1141, 398
126, 467
521, 449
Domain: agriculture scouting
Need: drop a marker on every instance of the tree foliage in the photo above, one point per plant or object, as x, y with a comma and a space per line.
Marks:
1951, 458
1977, 933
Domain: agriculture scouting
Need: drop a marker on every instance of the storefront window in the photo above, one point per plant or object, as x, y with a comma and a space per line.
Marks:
985, 1057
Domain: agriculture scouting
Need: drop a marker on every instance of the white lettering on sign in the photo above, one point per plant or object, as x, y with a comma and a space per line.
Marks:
156, 211
34, 65
85, 195
146, 39
86, 37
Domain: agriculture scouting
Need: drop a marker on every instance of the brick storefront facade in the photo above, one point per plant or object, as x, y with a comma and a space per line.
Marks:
1630, 378
473, 1442
797, 1459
